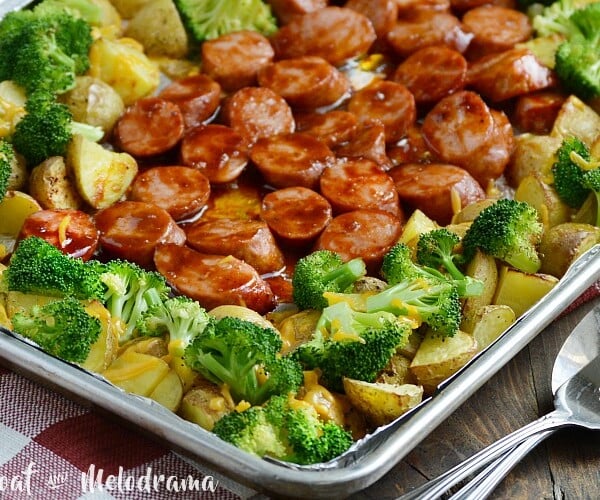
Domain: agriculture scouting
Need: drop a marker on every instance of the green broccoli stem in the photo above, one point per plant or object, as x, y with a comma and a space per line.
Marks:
523, 261
346, 274
398, 298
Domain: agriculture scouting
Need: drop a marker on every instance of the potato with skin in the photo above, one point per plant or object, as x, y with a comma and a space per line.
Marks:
397, 371
104, 350
490, 323
382, 403
158, 27
205, 404
484, 268
578, 119
298, 329
469, 212
94, 102
563, 244
136, 372
438, 358
14, 209
102, 176
416, 225
520, 291
51, 185
128, 8
534, 155
544, 198
17, 180
169, 391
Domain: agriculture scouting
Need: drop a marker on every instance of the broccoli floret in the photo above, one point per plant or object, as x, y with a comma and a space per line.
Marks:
207, 19
508, 230
352, 344
555, 18
129, 291
85, 9
287, 431
323, 271
45, 50
38, 267
434, 301
7, 160
435, 249
62, 328
245, 356
180, 317
567, 171
47, 128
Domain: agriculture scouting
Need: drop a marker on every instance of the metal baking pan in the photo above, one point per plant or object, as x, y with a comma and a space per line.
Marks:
366, 462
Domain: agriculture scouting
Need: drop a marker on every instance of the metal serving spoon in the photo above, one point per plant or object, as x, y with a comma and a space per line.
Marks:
580, 347
577, 402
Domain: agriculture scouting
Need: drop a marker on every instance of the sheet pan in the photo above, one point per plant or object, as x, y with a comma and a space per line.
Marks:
366, 462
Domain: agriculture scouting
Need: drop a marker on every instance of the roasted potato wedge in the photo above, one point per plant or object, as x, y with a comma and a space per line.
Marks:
128, 8
543, 197
484, 268
491, 322
158, 27
241, 312
417, 224
534, 155
18, 302
169, 391
382, 403
94, 102
470, 211
561, 245
520, 290
397, 371
102, 176
205, 404
52, 187
437, 358
578, 119
136, 372
104, 350
298, 329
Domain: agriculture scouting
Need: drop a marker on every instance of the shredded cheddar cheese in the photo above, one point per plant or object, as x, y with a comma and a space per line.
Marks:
62, 231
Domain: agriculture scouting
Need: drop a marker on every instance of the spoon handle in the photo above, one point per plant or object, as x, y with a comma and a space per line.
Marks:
488, 479
434, 488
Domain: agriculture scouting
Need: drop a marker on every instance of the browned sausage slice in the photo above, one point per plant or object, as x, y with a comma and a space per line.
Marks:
71, 231
234, 59
431, 73
495, 29
368, 142
216, 150
536, 113
512, 73
333, 33
248, 240
181, 191
362, 233
150, 126
131, 230
296, 215
197, 96
429, 188
382, 13
411, 149
255, 112
457, 126
291, 160
388, 102
213, 280
428, 27
357, 184
286, 10
331, 128
307, 82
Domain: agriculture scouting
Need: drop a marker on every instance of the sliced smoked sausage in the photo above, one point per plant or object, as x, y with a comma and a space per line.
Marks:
536, 112
429, 188
367, 142
197, 96
495, 29
71, 231
307, 82
217, 151
362, 233
382, 13
511, 73
234, 59
286, 10
431, 73
333, 33
291, 160
357, 184
255, 112
149, 127
296, 215
390, 103
131, 230
332, 128
181, 191
248, 240
213, 280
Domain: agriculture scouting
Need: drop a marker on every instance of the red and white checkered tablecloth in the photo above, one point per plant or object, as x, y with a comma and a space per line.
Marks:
52, 448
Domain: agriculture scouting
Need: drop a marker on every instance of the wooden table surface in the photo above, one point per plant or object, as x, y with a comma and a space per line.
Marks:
565, 466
